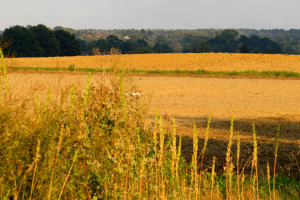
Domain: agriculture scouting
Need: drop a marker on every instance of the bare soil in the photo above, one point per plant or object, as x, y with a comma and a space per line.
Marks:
265, 102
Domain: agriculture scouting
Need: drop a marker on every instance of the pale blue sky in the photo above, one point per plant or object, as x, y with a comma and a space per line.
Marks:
166, 14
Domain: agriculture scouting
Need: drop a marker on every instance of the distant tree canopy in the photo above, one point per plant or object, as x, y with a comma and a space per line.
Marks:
129, 46
230, 41
33, 41
195, 44
255, 44
24, 42
69, 45
162, 45
225, 41
114, 42
46, 39
40, 41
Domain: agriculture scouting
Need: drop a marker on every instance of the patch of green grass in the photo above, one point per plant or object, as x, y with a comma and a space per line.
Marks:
198, 72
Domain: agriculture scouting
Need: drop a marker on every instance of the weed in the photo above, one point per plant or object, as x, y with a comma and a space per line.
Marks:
71, 67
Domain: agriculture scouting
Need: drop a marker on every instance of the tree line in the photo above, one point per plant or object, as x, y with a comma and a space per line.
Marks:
40, 41
229, 41
130, 46
232, 42
35, 41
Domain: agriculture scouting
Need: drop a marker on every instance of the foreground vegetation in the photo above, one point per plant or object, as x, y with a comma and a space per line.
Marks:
94, 144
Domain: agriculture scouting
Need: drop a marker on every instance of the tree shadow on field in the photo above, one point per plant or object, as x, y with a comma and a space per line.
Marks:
288, 160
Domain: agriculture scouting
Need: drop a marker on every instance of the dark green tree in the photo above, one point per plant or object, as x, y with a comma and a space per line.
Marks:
143, 31
270, 46
162, 48
244, 48
225, 41
256, 50
46, 40
103, 46
200, 46
92, 45
24, 42
142, 43
256, 44
195, 43
127, 46
114, 42
84, 47
143, 50
70, 46
162, 45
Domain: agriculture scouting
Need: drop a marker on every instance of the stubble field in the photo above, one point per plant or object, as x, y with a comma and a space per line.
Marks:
190, 61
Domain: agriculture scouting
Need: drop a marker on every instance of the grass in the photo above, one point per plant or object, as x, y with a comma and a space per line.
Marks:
94, 144
166, 72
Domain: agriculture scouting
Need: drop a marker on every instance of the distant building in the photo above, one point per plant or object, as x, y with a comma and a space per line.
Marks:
99, 34
126, 37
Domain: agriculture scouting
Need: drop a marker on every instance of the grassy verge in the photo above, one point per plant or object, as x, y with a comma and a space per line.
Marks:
168, 72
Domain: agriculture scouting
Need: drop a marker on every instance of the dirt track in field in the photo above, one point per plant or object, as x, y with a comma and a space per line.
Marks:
265, 102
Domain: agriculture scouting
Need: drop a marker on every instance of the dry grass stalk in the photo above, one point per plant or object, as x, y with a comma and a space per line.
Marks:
269, 178
72, 102
230, 182
174, 157
194, 175
203, 150
66, 179
237, 163
56, 160
161, 145
37, 155
276, 152
254, 164
155, 151
4, 43
228, 159
178, 160
212, 178
46, 106
243, 180
141, 178
173, 150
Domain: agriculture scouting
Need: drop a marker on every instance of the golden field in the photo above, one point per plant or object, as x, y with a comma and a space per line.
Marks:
190, 61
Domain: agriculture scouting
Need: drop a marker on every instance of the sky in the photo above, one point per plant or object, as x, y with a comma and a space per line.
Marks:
153, 14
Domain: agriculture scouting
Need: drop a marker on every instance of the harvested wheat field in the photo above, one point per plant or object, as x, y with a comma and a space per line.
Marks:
190, 61
265, 102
